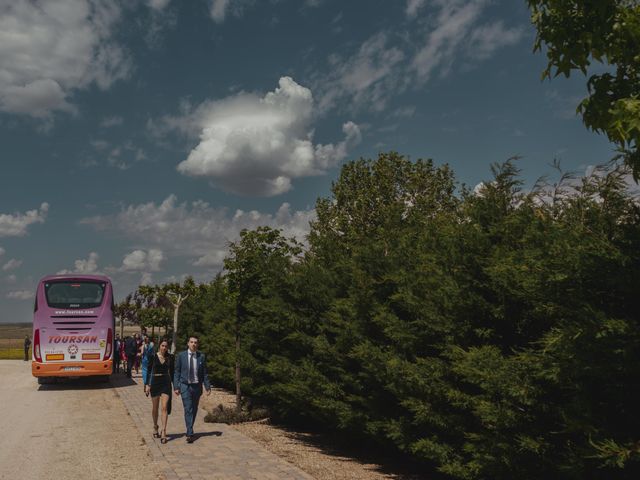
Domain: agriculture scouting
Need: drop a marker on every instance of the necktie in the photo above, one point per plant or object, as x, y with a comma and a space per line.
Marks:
192, 370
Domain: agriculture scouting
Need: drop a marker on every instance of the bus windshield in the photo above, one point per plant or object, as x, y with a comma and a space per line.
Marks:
71, 294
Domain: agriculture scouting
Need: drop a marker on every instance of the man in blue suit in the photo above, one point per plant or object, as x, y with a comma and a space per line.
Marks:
189, 377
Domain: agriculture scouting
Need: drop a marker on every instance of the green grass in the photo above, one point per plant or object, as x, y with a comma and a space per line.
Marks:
12, 340
12, 354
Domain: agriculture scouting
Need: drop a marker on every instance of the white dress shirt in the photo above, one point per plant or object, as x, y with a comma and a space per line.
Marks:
195, 366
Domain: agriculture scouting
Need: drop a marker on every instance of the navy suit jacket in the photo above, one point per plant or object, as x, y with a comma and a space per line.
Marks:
181, 373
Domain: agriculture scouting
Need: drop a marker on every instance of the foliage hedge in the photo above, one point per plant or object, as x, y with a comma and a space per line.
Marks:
492, 333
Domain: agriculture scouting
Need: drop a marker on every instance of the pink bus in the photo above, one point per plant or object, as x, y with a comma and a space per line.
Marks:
73, 327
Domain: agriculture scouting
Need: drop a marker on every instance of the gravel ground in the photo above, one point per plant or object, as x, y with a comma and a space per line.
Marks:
300, 448
78, 429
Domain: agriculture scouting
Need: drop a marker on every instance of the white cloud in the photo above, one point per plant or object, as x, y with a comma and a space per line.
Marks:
12, 265
16, 225
454, 21
141, 260
49, 49
458, 34
486, 39
196, 230
211, 259
37, 98
404, 112
449, 33
21, 295
479, 189
368, 78
387, 64
111, 121
146, 279
413, 6
252, 145
84, 266
218, 9
11, 278
122, 157
158, 5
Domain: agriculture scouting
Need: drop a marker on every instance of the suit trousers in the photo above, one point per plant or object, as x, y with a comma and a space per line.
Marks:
190, 399
130, 360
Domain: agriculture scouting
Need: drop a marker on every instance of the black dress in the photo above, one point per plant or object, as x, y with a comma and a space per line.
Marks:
160, 375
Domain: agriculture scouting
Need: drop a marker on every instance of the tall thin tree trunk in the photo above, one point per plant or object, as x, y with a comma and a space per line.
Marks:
238, 392
176, 307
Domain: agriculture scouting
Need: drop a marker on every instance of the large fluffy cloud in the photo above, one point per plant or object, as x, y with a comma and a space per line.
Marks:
196, 230
253, 145
140, 260
84, 266
16, 225
49, 48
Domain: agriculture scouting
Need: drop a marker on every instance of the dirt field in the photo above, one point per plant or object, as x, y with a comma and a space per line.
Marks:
75, 430
9, 331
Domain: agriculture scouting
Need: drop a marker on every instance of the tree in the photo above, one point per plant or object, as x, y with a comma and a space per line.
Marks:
154, 308
128, 310
257, 259
210, 313
176, 294
578, 32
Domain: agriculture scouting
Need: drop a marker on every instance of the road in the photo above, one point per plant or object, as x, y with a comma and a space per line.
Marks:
79, 429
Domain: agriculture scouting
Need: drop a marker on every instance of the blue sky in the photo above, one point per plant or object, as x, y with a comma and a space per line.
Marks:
138, 138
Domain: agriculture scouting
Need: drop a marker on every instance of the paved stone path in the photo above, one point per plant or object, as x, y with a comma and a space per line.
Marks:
218, 452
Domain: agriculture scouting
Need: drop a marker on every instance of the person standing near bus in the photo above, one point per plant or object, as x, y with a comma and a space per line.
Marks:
158, 385
138, 339
27, 344
116, 354
188, 380
147, 352
131, 351
123, 355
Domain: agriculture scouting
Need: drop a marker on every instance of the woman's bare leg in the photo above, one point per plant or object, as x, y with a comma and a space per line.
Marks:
165, 415
155, 401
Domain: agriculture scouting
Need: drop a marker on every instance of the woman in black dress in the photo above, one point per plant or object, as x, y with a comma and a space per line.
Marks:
158, 385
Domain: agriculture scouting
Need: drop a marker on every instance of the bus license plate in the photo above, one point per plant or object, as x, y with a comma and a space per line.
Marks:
71, 369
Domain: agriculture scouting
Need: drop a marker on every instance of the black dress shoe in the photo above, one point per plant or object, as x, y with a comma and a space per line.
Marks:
189, 439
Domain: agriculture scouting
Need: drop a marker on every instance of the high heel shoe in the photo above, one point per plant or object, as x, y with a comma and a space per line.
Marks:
163, 439
155, 432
